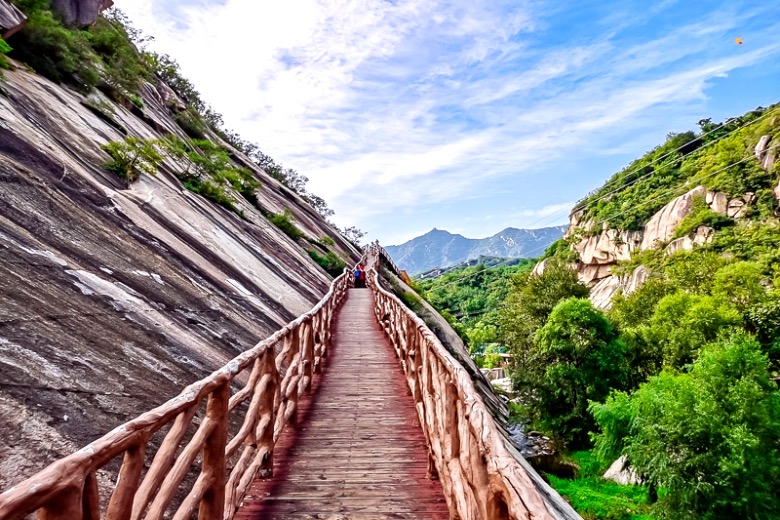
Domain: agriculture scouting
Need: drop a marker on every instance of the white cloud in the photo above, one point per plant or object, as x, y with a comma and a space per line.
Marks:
426, 101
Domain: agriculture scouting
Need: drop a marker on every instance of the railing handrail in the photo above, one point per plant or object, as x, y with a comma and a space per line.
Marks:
494, 485
68, 488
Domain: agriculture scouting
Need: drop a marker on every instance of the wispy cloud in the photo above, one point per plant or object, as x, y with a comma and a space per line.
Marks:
459, 103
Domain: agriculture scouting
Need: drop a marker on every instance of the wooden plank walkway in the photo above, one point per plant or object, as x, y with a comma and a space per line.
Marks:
358, 451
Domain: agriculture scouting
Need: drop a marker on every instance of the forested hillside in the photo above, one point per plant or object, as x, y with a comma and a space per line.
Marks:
673, 362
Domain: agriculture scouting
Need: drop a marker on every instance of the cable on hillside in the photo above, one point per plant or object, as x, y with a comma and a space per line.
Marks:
620, 188
652, 199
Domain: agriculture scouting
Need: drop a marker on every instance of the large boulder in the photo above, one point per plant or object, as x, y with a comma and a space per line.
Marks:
608, 247
11, 19
80, 12
622, 473
702, 235
660, 228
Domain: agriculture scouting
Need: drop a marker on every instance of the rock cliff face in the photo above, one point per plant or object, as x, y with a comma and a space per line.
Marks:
601, 249
11, 19
112, 299
80, 12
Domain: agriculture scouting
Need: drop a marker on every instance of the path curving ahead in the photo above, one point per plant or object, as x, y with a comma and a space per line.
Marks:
358, 451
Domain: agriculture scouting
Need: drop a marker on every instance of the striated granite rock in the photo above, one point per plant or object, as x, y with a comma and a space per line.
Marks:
112, 299
11, 19
602, 292
719, 202
764, 155
608, 247
80, 12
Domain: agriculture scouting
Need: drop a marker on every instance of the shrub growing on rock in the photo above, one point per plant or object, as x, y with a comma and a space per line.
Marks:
132, 157
4, 49
284, 221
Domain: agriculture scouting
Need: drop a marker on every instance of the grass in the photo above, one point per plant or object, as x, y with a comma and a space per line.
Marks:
597, 499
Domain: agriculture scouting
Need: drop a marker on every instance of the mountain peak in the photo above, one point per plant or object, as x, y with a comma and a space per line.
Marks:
440, 248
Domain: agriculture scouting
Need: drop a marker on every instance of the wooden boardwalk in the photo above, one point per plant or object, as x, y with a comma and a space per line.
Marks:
358, 451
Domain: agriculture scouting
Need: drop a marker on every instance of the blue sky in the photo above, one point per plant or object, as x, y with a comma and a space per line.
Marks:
465, 115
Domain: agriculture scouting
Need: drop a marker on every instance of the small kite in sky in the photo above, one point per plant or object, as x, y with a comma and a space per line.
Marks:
738, 40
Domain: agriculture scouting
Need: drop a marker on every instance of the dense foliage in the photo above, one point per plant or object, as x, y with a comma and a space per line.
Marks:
470, 298
680, 375
708, 436
720, 157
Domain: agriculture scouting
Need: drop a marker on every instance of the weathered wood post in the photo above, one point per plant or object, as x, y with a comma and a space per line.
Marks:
120, 507
213, 505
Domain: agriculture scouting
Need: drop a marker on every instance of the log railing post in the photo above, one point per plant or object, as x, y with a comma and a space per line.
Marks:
307, 355
90, 500
265, 430
66, 506
120, 507
213, 504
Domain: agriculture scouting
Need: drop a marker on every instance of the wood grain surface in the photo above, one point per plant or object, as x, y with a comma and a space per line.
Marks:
357, 451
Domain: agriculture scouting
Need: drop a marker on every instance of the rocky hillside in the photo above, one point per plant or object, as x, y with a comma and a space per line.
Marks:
439, 248
694, 191
114, 296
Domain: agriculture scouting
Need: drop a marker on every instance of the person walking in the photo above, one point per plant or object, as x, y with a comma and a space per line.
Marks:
360, 276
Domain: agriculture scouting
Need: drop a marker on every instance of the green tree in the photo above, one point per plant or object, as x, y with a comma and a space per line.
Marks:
682, 323
578, 358
709, 437
740, 283
530, 300
763, 320
692, 271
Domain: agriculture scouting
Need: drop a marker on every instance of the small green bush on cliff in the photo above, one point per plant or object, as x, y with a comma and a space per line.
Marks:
122, 63
57, 52
4, 49
210, 172
330, 262
284, 221
132, 157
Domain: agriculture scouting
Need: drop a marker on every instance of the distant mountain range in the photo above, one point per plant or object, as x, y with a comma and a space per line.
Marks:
439, 248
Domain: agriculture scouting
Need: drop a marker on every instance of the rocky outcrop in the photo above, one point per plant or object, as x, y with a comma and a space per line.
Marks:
765, 156
719, 202
622, 473
602, 291
608, 247
702, 235
80, 12
11, 19
660, 228
598, 253
113, 298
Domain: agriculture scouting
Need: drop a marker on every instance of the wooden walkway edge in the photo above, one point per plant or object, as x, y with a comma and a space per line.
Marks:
358, 451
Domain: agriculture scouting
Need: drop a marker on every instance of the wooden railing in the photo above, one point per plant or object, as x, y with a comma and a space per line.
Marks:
214, 438
481, 479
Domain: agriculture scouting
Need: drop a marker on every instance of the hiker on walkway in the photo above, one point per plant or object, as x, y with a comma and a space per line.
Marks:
360, 276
